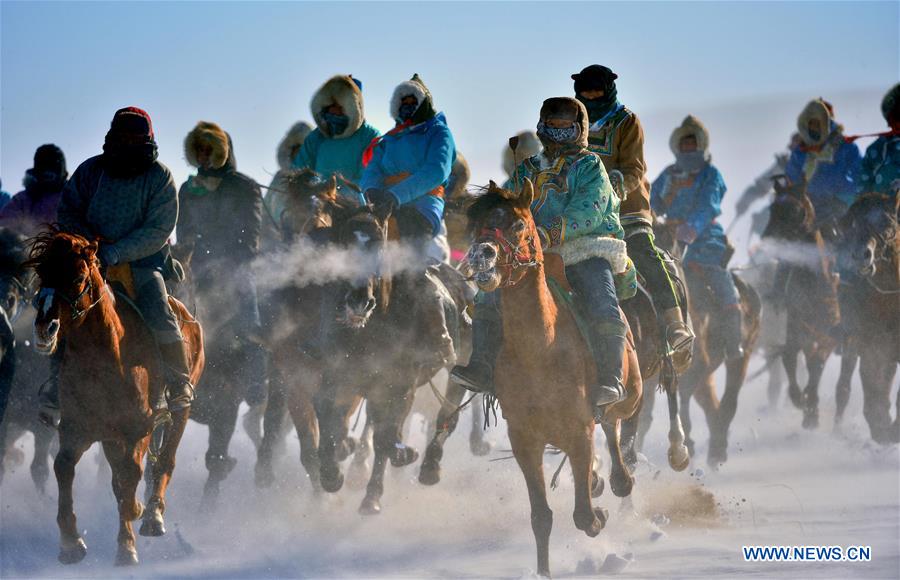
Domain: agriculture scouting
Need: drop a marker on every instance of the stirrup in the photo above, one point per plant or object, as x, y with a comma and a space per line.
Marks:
183, 400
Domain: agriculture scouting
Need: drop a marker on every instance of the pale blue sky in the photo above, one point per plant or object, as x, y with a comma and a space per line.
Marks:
252, 67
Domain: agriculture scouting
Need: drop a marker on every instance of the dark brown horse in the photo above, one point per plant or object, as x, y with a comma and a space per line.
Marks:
544, 368
870, 303
109, 369
808, 289
709, 353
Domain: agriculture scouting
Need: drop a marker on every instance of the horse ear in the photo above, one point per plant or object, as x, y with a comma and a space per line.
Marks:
526, 194
91, 249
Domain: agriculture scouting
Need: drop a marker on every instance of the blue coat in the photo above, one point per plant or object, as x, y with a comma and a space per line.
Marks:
830, 176
695, 199
426, 153
327, 155
880, 166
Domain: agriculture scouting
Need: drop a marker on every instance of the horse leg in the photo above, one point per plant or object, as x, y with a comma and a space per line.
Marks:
72, 548
815, 364
530, 457
588, 519
620, 480
125, 461
686, 392
303, 414
648, 402
218, 462
629, 434
161, 470
876, 381
40, 470
358, 473
445, 424
678, 455
789, 359
735, 373
775, 369
272, 430
849, 360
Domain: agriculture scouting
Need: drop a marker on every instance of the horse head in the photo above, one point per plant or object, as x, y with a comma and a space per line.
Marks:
791, 215
869, 234
13, 279
69, 274
368, 286
310, 202
505, 237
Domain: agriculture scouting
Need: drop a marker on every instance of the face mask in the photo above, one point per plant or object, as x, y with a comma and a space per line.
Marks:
407, 111
129, 160
337, 124
690, 161
560, 135
816, 136
601, 106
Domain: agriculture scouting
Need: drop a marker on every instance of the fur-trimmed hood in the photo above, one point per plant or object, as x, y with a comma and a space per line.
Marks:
342, 90
529, 146
207, 134
564, 106
821, 110
459, 178
291, 143
416, 88
890, 105
690, 126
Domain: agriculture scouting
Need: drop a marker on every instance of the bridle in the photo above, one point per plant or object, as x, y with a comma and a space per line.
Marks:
77, 312
511, 257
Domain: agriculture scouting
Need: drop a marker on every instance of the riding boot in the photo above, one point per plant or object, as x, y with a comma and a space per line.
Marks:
179, 392
434, 323
679, 337
731, 330
478, 375
607, 346
48, 395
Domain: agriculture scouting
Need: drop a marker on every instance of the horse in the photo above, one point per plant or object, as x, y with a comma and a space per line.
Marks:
809, 291
371, 305
544, 367
871, 255
709, 353
109, 369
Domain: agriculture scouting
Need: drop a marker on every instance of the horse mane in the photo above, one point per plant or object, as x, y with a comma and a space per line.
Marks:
491, 196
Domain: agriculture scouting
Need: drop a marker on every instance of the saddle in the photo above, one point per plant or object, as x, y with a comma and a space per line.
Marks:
121, 282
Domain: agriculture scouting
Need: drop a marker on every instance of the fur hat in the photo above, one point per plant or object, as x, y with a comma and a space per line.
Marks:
416, 88
459, 177
343, 90
815, 109
132, 120
890, 105
691, 126
291, 143
594, 77
529, 146
207, 134
569, 108
49, 157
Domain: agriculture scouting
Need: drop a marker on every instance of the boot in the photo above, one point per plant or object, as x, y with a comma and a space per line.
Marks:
434, 323
679, 337
179, 393
731, 330
607, 346
478, 375
48, 395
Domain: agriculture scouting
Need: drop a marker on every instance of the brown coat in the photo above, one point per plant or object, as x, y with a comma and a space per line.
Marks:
620, 144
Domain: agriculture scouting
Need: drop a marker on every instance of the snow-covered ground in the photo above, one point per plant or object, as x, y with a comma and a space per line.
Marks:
782, 486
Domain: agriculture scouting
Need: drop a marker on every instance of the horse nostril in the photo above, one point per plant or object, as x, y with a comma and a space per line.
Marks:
53, 327
488, 252
370, 305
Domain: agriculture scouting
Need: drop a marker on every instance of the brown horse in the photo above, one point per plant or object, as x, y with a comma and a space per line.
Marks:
809, 291
870, 300
108, 372
698, 381
544, 368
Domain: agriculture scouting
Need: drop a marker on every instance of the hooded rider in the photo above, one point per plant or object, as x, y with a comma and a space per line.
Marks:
689, 194
273, 202
881, 165
35, 207
577, 214
126, 198
405, 176
616, 135
826, 163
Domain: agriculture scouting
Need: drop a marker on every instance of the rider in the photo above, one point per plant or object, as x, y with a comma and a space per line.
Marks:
574, 203
689, 194
336, 145
528, 145
35, 206
406, 173
273, 202
763, 186
881, 165
616, 135
825, 163
127, 200
219, 222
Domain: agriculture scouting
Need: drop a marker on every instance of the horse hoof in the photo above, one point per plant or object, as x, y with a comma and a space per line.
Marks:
679, 458
796, 397
811, 420
430, 473
598, 484
74, 553
153, 524
479, 447
621, 485
370, 507
404, 456
332, 483
264, 477
126, 557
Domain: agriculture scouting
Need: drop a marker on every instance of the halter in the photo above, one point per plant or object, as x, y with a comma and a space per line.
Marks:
511, 257
73, 302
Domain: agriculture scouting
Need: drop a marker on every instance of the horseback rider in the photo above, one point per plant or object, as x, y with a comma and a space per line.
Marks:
35, 207
405, 176
880, 170
825, 163
574, 202
689, 195
616, 135
528, 146
763, 186
127, 200
219, 223
274, 200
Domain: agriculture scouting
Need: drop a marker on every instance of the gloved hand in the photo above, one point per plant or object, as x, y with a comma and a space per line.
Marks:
685, 233
108, 256
383, 202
